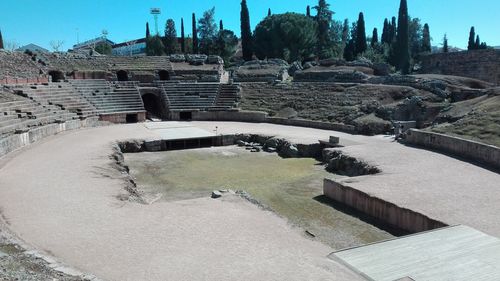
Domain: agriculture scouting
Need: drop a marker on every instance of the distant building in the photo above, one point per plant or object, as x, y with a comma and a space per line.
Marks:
130, 48
90, 44
33, 48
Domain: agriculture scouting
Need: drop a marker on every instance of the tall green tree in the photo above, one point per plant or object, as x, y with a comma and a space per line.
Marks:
207, 31
472, 36
148, 34
154, 46
415, 35
221, 25
477, 44
1, 41
403, 39
426, 39
345, 32
183, 37
324, 19
269, 12
104, 48
374, 40
170, 40
289, 36
392, 30
445, 44
308, 11
385, 32
195, 35
360, 36
227, 42
246, 32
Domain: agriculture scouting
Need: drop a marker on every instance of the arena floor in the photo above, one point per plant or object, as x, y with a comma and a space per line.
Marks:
61, 195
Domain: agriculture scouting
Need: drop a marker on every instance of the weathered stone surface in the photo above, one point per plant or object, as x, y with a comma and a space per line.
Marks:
294, 67
214, 60
339, 163
216, 194
289, 150
177, 58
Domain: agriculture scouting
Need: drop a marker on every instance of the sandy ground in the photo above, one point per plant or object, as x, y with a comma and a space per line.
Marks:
60, 196
442, 187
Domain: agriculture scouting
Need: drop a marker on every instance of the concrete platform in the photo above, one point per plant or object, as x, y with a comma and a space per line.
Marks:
457, 253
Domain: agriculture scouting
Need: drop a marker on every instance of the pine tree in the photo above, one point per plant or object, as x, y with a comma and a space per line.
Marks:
445, 44
324, 20
183, 38
195, 35
360, 36
269, 12
221, 25
426, 39
1, 40
472, 36
148, 34
170, 39
374, 41
246, 32
403, 39
308, 11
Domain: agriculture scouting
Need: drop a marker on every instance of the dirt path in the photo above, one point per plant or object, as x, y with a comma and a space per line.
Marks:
60, 196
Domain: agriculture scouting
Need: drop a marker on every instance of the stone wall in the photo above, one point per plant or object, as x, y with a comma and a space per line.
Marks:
13, 142
479, 64
120, 118
386, 212
476, 151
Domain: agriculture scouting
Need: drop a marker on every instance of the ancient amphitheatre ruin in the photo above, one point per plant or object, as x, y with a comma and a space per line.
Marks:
184, 167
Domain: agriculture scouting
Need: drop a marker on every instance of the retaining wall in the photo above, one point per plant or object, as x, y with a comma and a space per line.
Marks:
262, 117
13, 142
386, 212
476, 151
120, 118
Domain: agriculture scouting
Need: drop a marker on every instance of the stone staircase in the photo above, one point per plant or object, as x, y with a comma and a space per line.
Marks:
228, 97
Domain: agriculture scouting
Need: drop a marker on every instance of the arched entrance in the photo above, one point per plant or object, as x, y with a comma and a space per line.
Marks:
56, 76
122, 75
164, 75
152, 104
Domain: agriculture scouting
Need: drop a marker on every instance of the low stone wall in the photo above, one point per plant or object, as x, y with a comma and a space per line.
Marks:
121, 118
33, 80
386, 212
476, 151
237, 116
13, 142
262, 117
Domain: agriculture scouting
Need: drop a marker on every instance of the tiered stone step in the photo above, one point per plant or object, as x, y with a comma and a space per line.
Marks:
110, 98
229, 95
62, 95
18, 113
140, 63
190, 96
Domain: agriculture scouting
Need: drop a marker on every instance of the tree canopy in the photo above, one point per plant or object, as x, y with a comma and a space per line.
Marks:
246, 32
170, 39
289, 36
207, 32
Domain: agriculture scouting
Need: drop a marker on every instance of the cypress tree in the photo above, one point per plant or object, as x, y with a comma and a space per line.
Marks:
308, 11
385, 32
246, 33
345, 32
183, 38
195, 36
221, 25
324, 20
269, 12
148, 34
374, 37
472, 36
392, 29
1, 40
426, 39
403, 39
477, 44
445, 44
360, 36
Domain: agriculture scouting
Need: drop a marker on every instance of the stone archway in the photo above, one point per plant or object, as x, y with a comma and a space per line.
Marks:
56, 76
122, 75
164, 75
153, 106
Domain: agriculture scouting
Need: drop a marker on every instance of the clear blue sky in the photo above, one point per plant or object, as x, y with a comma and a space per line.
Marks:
40, 21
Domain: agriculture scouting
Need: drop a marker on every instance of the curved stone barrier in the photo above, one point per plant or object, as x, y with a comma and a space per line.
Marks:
482, 153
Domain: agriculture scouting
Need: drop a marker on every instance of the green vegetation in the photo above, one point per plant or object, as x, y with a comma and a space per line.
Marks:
170, 39
1, 40
104, 48
426, 39
183, 39
402, 37
195, 35
154, 46
360, 40
246, 32
287, 186
207, 32
289, 36
474, 41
